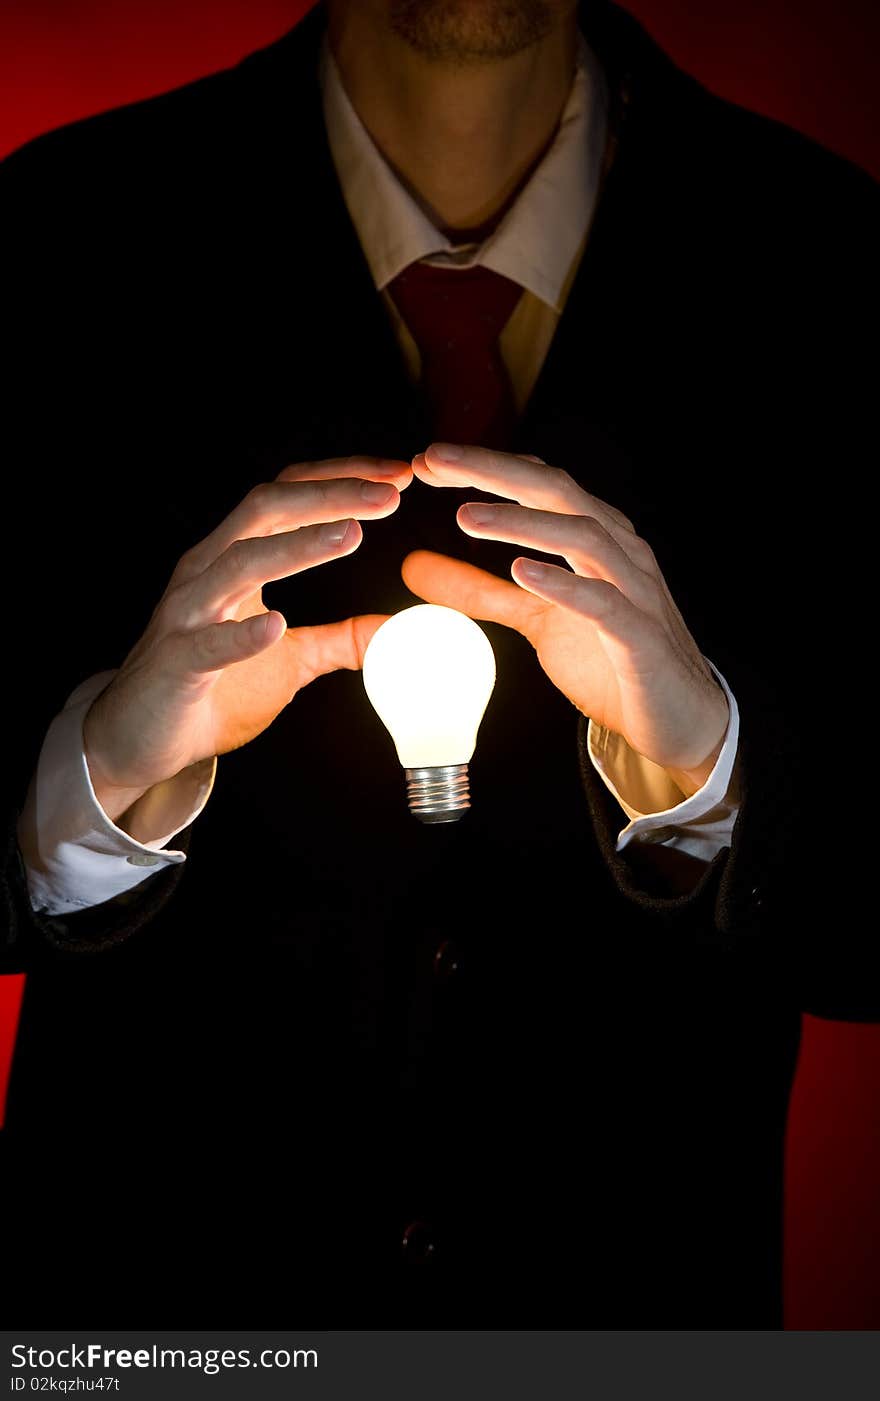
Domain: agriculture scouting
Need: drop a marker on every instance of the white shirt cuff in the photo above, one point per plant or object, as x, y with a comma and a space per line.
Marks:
701, 825
74, 855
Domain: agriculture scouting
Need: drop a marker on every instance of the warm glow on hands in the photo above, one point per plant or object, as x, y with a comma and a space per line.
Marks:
215, 666
606, 629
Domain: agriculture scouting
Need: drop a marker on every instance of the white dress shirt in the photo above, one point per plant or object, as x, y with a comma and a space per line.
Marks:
538, 244
75, 856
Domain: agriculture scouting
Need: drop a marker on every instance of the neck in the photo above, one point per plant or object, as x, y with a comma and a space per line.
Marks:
463, 137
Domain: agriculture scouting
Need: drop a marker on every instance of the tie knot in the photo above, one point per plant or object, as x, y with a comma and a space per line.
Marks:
450, 309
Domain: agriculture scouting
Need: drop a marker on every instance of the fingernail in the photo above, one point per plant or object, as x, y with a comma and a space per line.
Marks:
449, 452
481, 515
533, 573
377, 493
335, 532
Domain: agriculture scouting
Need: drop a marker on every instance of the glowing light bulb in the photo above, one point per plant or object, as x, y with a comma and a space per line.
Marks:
429, 672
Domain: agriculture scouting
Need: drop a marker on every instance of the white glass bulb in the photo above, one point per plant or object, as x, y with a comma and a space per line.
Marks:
429, 672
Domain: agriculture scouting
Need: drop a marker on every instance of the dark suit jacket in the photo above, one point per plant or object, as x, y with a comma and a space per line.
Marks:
562, 1083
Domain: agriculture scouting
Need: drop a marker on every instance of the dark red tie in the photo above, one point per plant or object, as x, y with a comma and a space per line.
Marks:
455, 316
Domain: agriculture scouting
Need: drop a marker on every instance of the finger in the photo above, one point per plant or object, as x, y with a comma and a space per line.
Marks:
581, 540
373, 469
454, 584
248, 564
526, 457
531, 483
594, 599
273, 507
333, 646
213, 648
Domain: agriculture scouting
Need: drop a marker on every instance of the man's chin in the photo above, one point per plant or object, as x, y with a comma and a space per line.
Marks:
471, 31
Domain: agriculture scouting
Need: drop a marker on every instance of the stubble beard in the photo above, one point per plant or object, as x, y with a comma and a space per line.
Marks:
470, 31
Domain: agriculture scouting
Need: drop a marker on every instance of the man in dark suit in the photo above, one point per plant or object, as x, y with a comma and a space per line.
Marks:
331, 1067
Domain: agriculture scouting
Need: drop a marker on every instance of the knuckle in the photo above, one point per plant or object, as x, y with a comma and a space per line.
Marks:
656, 592
606, 597
209, 643
304, 500
309, 494
648, 597
561, 481
236, 558
590, 531
172, 609
332, 495
642, 553
303, 471
261, 498
188, 565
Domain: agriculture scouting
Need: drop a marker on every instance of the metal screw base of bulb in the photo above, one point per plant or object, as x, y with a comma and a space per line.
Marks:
438, 794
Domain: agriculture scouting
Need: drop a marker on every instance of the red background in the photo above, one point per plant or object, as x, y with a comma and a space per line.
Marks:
807, 63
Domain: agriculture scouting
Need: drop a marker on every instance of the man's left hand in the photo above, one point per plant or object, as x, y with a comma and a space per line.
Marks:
606, 630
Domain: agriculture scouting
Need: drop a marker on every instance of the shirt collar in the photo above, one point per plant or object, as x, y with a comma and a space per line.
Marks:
537, 240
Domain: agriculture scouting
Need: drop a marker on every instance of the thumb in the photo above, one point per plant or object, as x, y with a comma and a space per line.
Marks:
332, 646
455, 584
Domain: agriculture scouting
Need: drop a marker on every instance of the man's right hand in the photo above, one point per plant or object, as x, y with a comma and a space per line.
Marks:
215, 666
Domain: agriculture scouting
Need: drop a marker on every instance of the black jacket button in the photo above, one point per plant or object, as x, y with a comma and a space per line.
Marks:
417, 1242
447, 960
